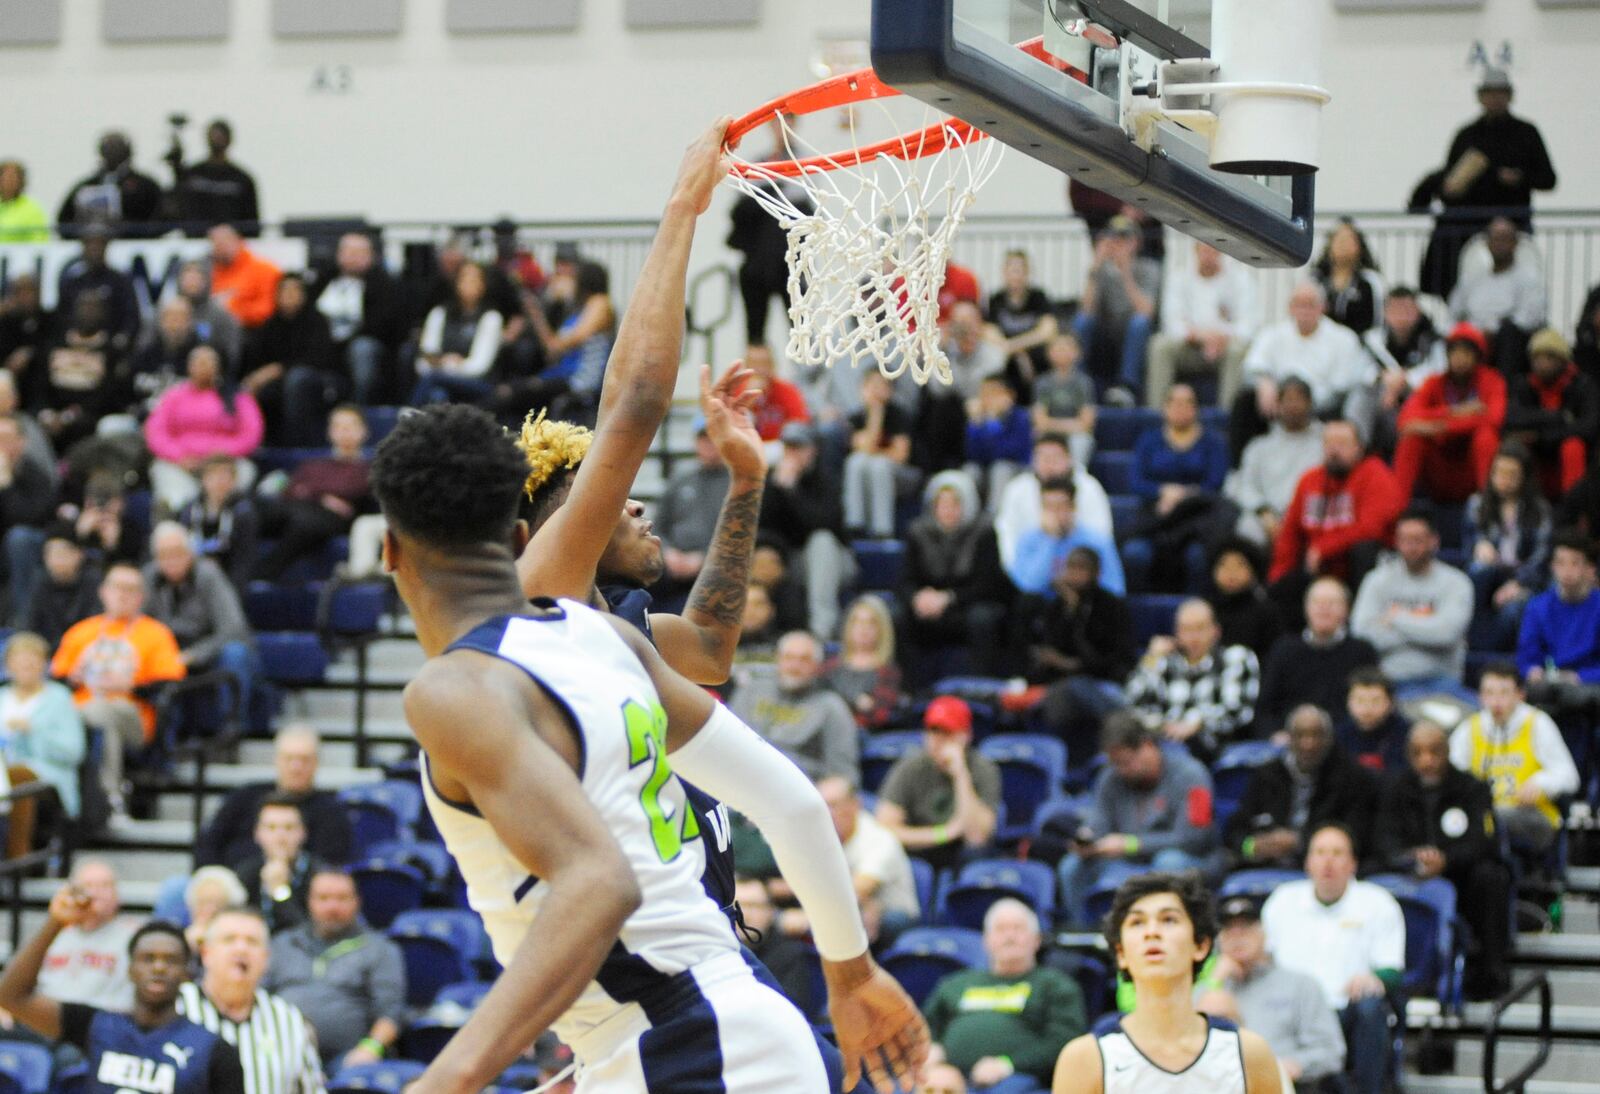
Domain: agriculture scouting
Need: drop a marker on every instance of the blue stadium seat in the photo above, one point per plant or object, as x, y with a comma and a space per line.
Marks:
1232, 773
388, 888
1114, 470
466, 995
439, 947
922, 956
1093, 976
433, 859
28, 1063
372, 823
1117, 428
1152, 615
1215, 418
980, 884
292, 658
1098, 902
424, 1036
169, 900
1434, 958
925, 879
1032, 768
879, 751
404, 799
380, 421
356, 609
384, 1077
1125, 512
137, 507
273, 607
1256, 883
879, 563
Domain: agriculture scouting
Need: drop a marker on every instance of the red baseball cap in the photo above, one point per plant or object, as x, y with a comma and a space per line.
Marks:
948, 715
1466, 332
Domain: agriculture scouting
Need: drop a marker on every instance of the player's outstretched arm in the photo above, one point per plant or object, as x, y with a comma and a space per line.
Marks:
19, 992
589, 888
879, 1028
636, 393
701, 642
1078, 1067
1261, 1072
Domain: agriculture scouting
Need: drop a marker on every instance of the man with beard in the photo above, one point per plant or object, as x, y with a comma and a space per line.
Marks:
1342, 514
1450, 427
798, 714
1435, 820
1555, 411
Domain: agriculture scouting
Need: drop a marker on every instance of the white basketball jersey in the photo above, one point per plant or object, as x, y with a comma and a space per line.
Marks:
582, 663
1219, 1069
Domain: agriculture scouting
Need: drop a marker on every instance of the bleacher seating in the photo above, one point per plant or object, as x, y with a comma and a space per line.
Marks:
389, 887
28, 1064
922, 956
979, 884
383, 1077
1032, 768
440, 947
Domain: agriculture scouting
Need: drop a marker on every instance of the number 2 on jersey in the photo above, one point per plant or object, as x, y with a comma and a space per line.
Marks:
647, 744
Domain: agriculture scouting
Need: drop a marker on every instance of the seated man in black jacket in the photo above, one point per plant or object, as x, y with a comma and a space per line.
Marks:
1312, 784
801, 516
277, 876
1080, 646
66, 591
1555, 411
1313, 665
230, 837
1434, 820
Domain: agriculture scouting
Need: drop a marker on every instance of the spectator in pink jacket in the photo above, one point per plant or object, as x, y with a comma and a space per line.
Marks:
198, 418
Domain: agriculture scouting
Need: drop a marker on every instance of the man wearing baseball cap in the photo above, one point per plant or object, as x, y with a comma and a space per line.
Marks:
942, 800
1554, 410
1285, 1007
1450, 426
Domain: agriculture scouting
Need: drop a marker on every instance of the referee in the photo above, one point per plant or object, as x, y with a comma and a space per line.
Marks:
151, 1049
276, 1047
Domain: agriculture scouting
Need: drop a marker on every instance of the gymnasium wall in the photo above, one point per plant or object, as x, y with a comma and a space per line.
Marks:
588, 123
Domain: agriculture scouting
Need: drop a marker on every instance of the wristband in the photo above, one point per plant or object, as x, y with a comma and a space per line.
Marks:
1130, 845
1248, 847
1011, 1067
939, 833
374, 1046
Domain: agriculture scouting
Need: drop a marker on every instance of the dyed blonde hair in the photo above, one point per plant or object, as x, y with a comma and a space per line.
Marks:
551, 447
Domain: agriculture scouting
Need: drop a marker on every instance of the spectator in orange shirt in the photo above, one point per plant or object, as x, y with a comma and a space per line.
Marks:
780, 402
244, 282
110, 658
1450, 426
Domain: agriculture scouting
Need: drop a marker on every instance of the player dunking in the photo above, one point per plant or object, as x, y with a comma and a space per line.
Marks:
1161, 928
546, 732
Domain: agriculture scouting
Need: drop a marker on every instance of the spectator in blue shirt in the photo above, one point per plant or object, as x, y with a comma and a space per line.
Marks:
1042, 552
1558, 650
1178, 470
999, 437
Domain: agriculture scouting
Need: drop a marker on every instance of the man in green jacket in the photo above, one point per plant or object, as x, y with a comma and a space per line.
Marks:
1005, 1025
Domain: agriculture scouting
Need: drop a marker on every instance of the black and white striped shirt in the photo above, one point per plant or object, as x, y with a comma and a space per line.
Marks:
1220, 692
276, 1047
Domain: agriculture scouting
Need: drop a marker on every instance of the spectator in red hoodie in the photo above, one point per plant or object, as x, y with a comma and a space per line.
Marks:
1554, 411
780, 402
1450, 426
1341, 515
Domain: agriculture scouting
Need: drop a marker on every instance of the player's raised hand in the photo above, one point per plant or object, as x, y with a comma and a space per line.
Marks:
879, 1028
705, 164
727, 407
69, 906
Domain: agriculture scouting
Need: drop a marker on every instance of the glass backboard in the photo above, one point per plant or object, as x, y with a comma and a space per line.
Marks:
961, 57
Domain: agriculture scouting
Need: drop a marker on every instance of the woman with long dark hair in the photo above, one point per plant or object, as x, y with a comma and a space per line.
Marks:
1349, 276
570, 388
1507, 534
459, 343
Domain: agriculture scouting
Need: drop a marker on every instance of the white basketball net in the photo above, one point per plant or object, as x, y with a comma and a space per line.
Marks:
865, 268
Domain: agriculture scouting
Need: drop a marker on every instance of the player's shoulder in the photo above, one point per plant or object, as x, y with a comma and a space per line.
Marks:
1261, 1071
1078, 1068
457, 680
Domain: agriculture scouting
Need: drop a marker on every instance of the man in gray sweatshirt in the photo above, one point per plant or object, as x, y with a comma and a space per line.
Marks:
195, 599
1273, 463
789, 706
1415, 611
1152, 810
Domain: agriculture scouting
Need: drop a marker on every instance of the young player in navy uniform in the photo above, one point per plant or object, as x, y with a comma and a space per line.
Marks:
150, 1051
1161, 927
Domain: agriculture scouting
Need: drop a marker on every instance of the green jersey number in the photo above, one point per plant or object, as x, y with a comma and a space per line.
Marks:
647, 744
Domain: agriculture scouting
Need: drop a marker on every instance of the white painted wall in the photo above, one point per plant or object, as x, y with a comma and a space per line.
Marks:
590, 124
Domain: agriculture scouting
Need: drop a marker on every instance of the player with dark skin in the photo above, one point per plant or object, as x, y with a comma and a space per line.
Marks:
453, 577
1156, 947
588, 528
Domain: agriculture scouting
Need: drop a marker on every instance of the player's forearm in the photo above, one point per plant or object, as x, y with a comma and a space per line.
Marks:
582, 913
716, 602
21, 980
643, 369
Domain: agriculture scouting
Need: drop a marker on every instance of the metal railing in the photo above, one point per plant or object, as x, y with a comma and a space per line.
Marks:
1518, 1083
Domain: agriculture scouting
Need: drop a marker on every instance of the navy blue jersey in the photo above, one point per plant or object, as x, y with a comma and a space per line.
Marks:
177, 1058
633, 605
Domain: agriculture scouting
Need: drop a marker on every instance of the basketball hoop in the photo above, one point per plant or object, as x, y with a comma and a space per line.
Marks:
868, 228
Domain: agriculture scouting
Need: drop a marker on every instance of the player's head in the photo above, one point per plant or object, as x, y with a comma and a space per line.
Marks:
555, 451
158, 961
1161, 926
448, 479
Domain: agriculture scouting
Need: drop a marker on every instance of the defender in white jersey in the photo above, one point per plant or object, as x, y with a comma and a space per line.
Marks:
546, 731
1161, 927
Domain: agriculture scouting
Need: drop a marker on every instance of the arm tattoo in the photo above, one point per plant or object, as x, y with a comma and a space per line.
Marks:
717, 600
